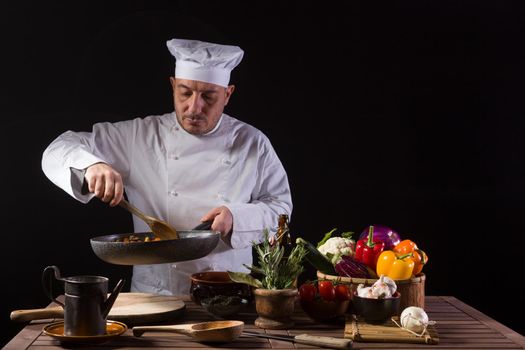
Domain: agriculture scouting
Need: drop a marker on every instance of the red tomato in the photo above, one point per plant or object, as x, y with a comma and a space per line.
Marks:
342, 292
326, 290
307, 291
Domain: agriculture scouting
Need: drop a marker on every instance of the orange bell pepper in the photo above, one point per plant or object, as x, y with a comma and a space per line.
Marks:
420, 257
395, 266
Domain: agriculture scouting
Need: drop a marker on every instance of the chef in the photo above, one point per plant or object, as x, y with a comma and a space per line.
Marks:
191, 165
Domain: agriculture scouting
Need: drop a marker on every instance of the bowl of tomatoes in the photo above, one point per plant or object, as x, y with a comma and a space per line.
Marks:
324, 300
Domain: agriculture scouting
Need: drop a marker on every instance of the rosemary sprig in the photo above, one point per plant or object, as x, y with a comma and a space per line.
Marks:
278, 273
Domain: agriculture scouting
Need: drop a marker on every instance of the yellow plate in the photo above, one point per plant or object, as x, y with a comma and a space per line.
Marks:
113, 329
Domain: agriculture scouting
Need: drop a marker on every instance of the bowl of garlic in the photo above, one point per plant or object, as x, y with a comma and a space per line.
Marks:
377, 303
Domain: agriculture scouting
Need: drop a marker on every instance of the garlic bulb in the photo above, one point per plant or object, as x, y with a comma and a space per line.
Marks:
384, 287
415, 319
364, 292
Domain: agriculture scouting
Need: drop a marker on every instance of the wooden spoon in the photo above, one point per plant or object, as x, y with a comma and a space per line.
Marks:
214, 331
161, 229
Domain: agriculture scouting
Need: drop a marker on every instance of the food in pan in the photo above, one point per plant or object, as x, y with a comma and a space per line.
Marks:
134, 238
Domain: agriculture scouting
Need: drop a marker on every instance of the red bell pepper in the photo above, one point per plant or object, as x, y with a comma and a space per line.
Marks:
367, 250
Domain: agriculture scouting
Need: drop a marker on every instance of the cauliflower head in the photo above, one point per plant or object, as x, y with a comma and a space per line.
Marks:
334, 248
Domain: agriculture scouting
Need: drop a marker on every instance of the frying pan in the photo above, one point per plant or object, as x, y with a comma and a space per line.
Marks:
192, 244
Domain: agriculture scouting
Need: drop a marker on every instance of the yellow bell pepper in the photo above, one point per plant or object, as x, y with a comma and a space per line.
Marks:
397, 267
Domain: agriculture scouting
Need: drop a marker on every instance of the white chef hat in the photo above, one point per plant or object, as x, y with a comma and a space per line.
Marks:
208, 62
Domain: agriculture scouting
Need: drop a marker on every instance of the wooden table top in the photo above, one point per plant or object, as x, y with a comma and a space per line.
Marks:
459, 326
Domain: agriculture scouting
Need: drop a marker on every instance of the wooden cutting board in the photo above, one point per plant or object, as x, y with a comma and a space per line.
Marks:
360, 331
130, 308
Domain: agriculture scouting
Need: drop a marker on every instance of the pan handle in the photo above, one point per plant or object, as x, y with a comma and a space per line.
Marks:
206, 225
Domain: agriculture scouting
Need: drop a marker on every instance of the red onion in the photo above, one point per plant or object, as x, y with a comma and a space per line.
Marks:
383, 233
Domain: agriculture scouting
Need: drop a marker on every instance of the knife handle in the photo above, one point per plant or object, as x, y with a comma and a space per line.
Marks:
327, 342
37, 314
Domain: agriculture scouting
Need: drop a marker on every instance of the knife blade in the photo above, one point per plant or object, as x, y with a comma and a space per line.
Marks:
326, 342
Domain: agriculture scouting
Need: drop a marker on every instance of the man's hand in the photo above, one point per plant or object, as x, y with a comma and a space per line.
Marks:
222, 220
105, 182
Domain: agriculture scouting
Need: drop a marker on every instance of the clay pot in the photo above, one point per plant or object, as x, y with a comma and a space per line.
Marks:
274, 307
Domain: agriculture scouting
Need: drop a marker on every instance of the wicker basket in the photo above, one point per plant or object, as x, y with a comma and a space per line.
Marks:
412, 290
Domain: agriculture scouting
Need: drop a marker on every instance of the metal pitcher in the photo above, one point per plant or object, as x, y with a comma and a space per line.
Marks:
86, 305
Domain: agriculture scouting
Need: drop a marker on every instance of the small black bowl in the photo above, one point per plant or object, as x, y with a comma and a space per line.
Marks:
376, 310
213, 283
224, 306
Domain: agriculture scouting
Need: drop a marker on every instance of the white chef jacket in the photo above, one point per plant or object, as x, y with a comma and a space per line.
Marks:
178, 177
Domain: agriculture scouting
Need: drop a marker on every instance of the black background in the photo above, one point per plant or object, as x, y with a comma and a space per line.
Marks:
405, 114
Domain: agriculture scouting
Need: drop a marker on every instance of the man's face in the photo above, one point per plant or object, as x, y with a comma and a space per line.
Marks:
199, 105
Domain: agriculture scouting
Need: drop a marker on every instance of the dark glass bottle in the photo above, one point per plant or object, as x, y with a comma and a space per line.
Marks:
283, 234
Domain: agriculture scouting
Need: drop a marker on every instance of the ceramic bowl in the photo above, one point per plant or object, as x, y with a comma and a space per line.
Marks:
323, 310
213, 283
224, 306
376, 310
